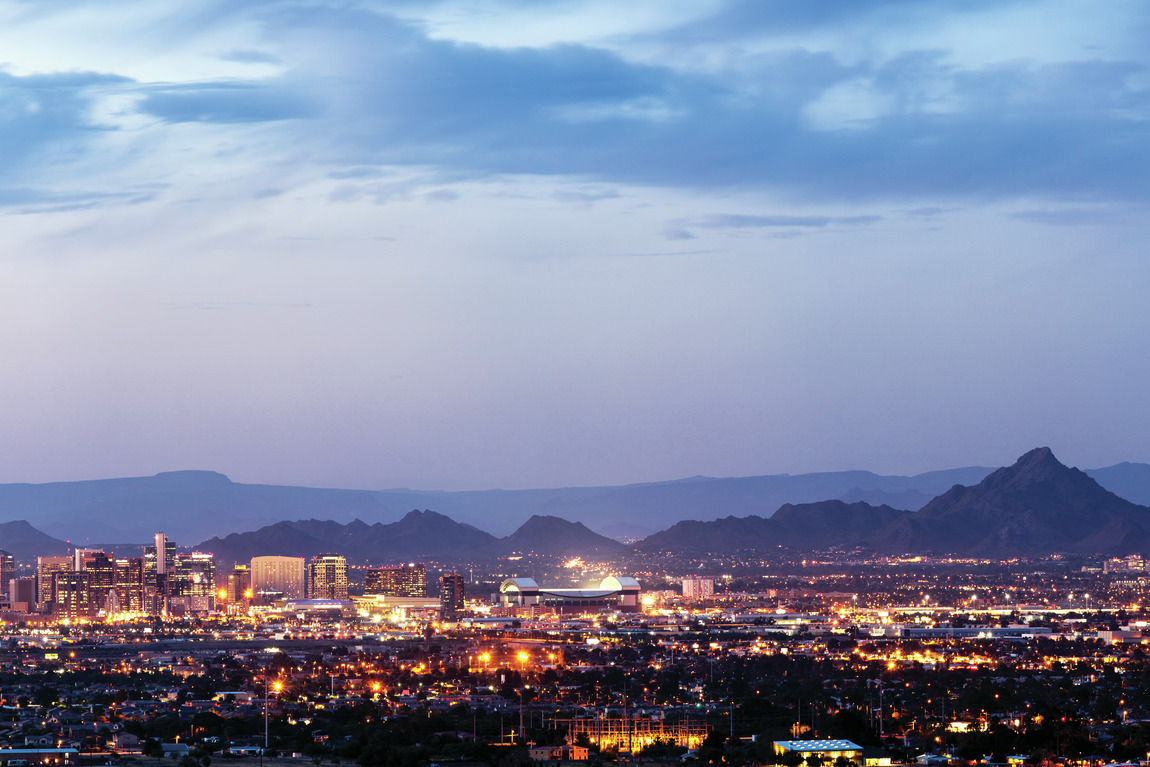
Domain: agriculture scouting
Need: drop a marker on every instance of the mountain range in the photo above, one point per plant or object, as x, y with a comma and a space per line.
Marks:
419, 535
1033, 507
196, 505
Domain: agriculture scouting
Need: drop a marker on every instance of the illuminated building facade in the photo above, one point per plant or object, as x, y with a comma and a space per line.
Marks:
129, 585
282, 577
698, 588
402, 581
70, 596
617, 593
7, 571
240, 584
158, 562
100, 570
451, 591
327, 577
192, 586
46, 568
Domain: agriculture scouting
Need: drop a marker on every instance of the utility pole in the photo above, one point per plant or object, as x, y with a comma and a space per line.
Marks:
881, 733
265, 748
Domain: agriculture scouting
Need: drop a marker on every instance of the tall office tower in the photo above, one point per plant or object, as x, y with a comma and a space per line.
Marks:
46, 567
240, 584
327, 577
278, 577
129, 582
402, 581
165, 553
101, 570
193, 582
70, 595
7, 571
158, 561
153, 596
451, 587
22, 591
697, 588
78, 556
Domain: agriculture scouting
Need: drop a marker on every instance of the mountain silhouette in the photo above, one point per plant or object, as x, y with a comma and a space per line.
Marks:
557, 537
1036, 506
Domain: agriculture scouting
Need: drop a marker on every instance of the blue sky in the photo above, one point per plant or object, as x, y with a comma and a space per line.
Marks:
513, 244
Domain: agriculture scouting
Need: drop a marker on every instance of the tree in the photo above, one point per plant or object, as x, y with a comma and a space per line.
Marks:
46, 696
152, 747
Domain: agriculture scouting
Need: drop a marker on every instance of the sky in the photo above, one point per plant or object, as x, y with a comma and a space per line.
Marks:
508, 243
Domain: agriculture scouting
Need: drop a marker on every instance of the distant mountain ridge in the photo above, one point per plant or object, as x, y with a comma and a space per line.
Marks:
25, 542
1035, 507
803, 527
419, 535
558, 537
198, 505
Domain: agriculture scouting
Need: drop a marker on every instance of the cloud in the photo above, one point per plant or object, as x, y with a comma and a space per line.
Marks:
905, 126
226, 103
586, 196
48, 112
901, 121
676, 232
740, 19
1067, 216
251, 57
736, 221
441, 195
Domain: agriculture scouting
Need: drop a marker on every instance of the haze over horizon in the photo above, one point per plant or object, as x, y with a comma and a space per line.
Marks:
459, 245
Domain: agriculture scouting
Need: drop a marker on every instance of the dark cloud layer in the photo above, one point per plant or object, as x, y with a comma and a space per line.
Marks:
370, 89
393, 95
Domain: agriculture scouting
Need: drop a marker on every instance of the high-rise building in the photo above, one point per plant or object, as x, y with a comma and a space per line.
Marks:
698, 588
129, 585
327, 577
7, 570
46, 567
70, 598
278, 577
402, 581
101, 571
192, 588
451, 588
22, 592
240, 584
165, 551
159, 559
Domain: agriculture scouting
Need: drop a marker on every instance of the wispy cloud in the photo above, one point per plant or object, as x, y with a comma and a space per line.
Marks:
739, 221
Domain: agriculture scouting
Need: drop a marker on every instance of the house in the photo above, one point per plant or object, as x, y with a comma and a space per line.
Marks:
125, 741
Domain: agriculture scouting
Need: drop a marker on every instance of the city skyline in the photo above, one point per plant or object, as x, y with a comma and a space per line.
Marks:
453, 245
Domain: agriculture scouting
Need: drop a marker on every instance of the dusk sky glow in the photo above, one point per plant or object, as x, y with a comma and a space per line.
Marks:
464, 245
